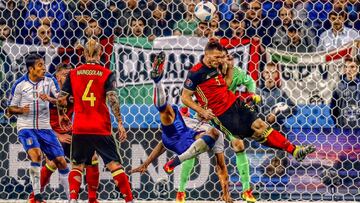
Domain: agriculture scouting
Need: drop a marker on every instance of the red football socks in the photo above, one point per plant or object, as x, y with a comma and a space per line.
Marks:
74, 183
276, 140
92, 179
122, 181
45, 174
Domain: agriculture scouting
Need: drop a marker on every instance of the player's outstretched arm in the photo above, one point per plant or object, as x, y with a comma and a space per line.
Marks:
187, 100
158, 150
114, 103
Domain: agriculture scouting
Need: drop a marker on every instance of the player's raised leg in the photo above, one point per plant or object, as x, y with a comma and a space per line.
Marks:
204, 142
273, 138
167, 114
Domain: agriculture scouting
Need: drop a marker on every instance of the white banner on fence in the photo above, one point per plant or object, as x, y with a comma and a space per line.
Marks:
310, 78
133, 64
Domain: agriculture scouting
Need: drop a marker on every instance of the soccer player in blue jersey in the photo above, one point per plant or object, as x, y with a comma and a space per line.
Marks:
30, 102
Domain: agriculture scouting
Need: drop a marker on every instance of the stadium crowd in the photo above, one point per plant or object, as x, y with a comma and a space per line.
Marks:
277, 23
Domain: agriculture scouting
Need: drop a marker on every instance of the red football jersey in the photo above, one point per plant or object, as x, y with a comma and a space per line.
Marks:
210, 88
91, 114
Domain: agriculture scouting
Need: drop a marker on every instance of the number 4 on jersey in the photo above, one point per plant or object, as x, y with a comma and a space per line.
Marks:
85, 96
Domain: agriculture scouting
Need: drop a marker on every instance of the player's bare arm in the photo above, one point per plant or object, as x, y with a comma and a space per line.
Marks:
158, 150
188, 101
15, 110
61, 103
114, 103
46, 97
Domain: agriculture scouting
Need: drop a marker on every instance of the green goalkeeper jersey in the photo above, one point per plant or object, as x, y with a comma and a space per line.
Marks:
240, 77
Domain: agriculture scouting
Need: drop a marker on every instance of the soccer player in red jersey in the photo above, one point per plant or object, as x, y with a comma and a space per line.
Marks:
91, 85
63, 133
232, 116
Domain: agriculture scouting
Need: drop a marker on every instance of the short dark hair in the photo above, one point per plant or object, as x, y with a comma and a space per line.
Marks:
338, 12
351, 59
31, 59
213, 45
137, 19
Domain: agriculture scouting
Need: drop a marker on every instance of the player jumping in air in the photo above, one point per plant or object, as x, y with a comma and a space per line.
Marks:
91, 85
63, 133
178, 137
227, 112
30, 97
234, 77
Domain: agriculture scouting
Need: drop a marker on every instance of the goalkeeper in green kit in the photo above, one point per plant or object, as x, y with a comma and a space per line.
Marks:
235, 77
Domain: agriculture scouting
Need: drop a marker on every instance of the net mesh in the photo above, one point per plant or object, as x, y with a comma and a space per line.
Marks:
299, 52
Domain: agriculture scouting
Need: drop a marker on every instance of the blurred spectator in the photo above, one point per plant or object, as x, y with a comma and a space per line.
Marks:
215, 25
345, 102
295, 41
272, 98
137, 28
82, 11
338, 34
236, 29
159, 22
5, 32
188, 24
14, 13
203, 30
286, 16
283, 38
255, 25
44, 36
95, 31
132, 9
176, 8
50, 12
299, 9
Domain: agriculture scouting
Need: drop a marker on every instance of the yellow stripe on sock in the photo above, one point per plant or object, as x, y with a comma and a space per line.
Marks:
95, 162
50, 168
224, 129
265, 134
117, 172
